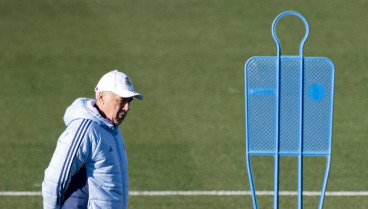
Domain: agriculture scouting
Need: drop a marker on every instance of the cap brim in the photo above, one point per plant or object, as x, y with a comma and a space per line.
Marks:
128, 94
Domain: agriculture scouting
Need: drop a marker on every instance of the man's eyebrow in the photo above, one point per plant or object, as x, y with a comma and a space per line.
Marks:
129, 98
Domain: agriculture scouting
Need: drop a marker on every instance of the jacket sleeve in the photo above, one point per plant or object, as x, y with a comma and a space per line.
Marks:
71, 153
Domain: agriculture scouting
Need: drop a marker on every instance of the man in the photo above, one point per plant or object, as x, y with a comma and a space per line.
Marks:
89, 166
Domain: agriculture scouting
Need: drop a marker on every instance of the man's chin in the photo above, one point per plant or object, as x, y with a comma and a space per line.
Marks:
118, 122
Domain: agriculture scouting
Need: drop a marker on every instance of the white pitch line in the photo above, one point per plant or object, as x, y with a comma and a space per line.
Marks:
19, 193
208, 193
244, 193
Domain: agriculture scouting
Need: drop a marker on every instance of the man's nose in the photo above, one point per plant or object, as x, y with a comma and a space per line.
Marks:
126, 106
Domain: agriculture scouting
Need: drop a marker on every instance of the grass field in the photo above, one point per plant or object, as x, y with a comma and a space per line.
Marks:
187, 58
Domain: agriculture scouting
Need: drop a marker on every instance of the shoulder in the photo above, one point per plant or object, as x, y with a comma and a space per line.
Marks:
81, 129
77, 127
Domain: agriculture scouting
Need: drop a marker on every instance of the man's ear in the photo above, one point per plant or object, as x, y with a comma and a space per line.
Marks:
100, 98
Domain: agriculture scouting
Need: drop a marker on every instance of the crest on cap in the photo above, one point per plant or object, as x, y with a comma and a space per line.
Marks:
128, 82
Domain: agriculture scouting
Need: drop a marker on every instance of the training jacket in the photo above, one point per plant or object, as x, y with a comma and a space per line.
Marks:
91, 145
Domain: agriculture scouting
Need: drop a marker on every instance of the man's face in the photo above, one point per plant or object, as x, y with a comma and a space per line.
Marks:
116, 108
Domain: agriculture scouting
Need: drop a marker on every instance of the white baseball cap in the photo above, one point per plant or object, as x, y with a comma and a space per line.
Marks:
118, 83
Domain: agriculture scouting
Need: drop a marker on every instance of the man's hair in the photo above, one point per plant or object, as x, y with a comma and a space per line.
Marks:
109, 93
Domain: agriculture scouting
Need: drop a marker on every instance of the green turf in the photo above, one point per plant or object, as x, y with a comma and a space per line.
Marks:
187, 58
199, 202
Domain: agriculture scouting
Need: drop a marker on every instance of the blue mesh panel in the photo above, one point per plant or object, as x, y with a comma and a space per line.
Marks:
289, 112
261, 76
317, 113
262, 112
